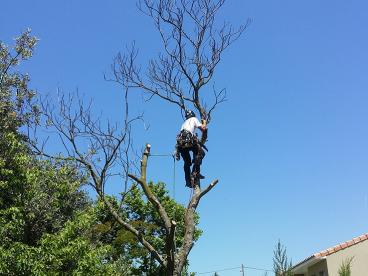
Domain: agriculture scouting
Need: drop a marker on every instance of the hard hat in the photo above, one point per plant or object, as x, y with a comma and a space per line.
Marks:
189, 114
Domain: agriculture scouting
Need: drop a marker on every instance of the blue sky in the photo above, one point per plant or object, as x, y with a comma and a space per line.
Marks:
290, 147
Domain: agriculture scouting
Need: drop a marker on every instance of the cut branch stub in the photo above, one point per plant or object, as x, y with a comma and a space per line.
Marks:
144, 162
142, 181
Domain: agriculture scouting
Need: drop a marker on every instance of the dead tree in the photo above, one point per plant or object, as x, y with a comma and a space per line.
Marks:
193, 46
107, 148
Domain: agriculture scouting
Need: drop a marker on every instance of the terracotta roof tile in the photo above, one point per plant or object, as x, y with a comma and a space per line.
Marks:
349, 243
336, 248
341, 246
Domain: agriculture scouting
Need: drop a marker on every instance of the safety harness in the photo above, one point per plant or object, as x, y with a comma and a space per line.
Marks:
185, 139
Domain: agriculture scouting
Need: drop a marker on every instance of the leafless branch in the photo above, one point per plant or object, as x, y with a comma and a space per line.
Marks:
193, 44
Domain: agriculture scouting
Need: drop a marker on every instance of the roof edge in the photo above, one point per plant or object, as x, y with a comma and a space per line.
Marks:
322, 254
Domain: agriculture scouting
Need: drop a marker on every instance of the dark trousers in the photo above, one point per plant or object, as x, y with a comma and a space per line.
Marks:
198, 155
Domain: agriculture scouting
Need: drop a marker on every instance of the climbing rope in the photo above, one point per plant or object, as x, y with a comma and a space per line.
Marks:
174, 180
174, 175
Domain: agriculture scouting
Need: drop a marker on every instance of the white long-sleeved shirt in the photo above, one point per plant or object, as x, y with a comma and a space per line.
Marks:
191, 124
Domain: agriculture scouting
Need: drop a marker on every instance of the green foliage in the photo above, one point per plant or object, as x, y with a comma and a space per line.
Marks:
45, 217
16, 98
345, 267
186, 272
143, 216
281, 264
68, 252
36, 197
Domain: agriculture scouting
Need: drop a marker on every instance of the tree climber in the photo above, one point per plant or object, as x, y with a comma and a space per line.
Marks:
186, 142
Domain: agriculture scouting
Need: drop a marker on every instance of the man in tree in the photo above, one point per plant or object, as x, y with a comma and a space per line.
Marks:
187, 142
193, 44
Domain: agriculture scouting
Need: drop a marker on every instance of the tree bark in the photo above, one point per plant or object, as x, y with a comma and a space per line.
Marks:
174, 261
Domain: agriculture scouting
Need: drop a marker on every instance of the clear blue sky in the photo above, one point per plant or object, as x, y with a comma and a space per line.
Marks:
290, 147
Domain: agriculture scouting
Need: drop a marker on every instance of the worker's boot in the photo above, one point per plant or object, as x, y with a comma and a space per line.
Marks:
196, 172
195, 177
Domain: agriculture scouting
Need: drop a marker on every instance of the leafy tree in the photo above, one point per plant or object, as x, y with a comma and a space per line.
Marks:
281, 264
16, 105
67, 252
143, 216
345, 267
45, 218
46, 221
40, 224
35, 196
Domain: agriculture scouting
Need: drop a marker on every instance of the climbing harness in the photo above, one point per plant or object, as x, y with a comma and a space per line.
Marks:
185, 139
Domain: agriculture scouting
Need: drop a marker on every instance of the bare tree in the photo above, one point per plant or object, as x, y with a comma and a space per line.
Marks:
193, 46
107, 147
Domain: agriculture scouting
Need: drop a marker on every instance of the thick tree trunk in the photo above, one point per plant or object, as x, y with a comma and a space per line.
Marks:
173, 261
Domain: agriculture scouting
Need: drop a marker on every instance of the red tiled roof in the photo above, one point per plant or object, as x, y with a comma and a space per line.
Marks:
341, 246
335, 248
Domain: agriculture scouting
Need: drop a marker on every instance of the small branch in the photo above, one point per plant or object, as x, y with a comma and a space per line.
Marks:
135, 232
144, 163
209, 188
